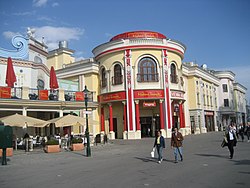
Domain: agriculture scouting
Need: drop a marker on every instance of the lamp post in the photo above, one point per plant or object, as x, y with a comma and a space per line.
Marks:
86, 91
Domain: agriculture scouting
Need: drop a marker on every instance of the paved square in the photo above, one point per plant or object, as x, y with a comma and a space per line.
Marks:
127, 163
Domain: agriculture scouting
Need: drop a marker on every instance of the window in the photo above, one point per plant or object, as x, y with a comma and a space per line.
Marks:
173, 76
147, 70
37, 59
226, 103
104, 79
224, 86
117, 78
198, 98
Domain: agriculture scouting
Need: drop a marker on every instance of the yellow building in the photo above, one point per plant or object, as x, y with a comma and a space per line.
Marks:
202, 98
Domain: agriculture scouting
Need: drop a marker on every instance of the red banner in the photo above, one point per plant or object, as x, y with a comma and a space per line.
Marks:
112, 97
148, 94
5, 92
79, 96
43, 94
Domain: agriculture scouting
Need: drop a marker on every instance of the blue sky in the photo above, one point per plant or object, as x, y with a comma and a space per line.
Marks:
216, 32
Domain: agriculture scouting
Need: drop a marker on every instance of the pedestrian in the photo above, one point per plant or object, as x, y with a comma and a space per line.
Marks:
248, 131
159, 144
176, 144
241, 132
232, 140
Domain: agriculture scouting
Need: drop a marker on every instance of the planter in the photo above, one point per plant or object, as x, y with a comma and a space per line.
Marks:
9, 152
52, 149
77, 147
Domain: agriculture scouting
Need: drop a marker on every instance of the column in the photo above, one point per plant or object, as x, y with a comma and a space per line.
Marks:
102, 120
161, 115
162, 127
111, 127
180, 114
125, 127
137, 115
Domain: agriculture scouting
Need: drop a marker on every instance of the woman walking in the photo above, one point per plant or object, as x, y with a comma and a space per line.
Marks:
159, 144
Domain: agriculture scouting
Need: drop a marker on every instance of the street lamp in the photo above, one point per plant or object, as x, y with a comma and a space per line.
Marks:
86, 91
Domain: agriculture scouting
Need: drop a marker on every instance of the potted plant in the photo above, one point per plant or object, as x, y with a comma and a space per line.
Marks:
52, 146
76, 144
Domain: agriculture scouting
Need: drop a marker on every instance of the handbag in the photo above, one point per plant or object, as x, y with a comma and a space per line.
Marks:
224, 143
153, 152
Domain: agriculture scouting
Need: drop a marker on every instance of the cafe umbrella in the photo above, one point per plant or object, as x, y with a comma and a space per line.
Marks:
10, 74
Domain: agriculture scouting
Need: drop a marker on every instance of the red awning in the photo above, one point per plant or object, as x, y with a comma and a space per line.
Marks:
53, 79
10, 74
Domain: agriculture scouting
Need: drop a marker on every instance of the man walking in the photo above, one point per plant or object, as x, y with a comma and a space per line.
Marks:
176, 144
159, 144
231, 138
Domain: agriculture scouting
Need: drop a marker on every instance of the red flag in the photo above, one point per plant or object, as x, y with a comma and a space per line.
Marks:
53, 79
10, 74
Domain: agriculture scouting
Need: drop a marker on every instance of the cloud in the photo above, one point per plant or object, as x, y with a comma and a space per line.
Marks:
29, 13
10, 34
45, 18
55, 4
39, 3
52, 35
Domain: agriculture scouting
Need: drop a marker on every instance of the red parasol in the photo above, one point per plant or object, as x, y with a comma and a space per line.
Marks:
53, 79
10, 74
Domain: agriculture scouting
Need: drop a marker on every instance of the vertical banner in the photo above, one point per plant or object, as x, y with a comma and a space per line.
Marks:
129, 90
166, 88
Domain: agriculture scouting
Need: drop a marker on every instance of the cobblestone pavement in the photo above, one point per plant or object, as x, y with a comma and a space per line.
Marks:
127, 163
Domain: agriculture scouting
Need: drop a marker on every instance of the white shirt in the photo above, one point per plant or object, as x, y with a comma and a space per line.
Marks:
231, 135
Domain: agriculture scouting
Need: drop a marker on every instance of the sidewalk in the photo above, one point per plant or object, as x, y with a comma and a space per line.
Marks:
127, 163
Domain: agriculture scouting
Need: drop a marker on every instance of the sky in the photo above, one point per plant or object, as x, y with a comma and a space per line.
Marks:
215, 32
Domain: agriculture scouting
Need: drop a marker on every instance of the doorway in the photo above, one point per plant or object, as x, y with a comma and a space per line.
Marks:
146, 127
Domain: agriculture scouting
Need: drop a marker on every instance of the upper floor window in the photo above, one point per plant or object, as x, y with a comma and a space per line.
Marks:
104, 79
147, 70
37, 59
224, 87
173, 76
117, 78
226, 103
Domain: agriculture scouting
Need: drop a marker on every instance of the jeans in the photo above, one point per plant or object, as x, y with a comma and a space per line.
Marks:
159, 151
176, 151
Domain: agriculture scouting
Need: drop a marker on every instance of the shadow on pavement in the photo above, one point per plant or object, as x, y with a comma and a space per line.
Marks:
212, 155
242, 162
149, 159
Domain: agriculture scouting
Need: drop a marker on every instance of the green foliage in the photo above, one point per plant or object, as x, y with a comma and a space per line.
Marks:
76, 140
52, 142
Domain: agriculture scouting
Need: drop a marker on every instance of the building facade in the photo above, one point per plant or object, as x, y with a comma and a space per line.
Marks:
141, 85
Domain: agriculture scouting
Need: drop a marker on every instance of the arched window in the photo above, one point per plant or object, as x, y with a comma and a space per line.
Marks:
37, 59
173, 76
104, 79
147, 70
117, 78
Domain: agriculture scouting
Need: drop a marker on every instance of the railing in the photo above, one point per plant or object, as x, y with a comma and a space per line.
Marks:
116, 80
148, 77
174, 78
104, 83
16, 93
51, 94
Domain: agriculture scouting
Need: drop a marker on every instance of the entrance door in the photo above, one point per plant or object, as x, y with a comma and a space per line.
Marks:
146, 126
175, 122
115, 127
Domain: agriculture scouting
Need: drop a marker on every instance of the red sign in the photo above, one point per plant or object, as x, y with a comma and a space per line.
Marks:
79, 96
139, 34
148, 94
5, 92
177, 94
149, 104
112, 97
43, 94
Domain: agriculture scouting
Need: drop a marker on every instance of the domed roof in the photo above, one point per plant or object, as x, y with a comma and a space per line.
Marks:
139, 34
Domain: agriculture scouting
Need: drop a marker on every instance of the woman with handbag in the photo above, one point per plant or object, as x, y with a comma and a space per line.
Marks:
159, 144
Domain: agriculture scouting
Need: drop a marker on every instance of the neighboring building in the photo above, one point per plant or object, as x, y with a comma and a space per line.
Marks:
248, 113
202, 98
60, 57
240, 103
141, 85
